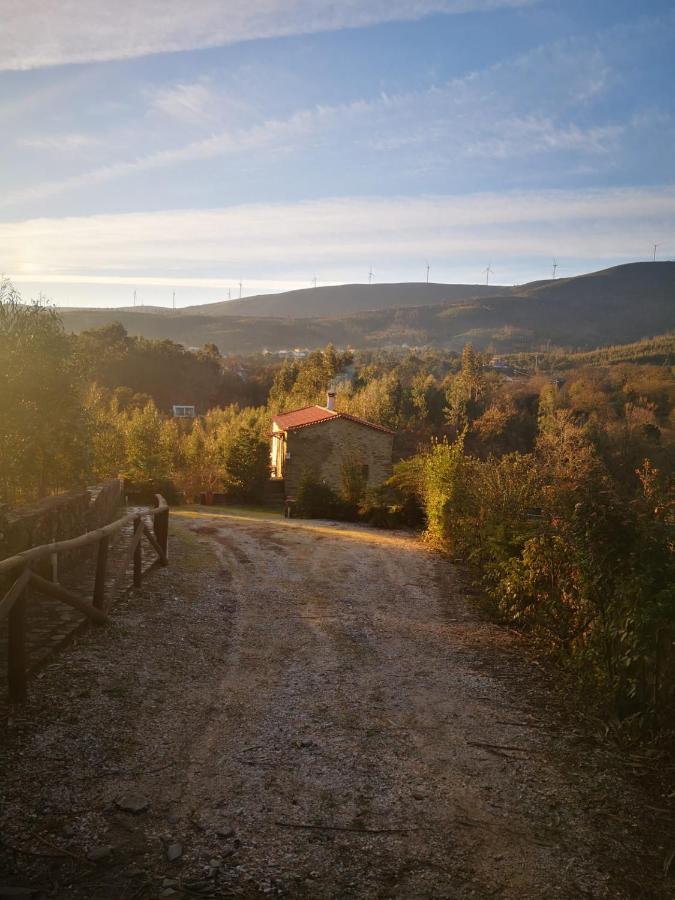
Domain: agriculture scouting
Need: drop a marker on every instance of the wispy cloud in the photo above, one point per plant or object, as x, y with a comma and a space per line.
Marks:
61, 143
192, 103
534, 134
273, 133
262, 284
569, 112
475, 117
54, 32
339, 237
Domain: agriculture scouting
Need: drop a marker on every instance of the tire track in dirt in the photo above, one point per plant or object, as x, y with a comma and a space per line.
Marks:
352, 678
313, 711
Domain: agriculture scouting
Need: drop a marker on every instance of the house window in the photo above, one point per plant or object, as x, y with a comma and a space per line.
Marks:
184, 412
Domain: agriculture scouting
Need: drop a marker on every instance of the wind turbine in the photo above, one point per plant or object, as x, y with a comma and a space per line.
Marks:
173, 300
240, 285
488, 272
134, 298
654, 256
427, 272
555, 266
371, 275
314, 281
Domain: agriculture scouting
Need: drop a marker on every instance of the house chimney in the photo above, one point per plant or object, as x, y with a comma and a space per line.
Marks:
330, 402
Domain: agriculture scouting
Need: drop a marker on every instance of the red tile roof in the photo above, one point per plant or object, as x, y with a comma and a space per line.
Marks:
312, 415
307, 415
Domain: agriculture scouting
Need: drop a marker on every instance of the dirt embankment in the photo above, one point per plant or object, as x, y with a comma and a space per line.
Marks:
310, 710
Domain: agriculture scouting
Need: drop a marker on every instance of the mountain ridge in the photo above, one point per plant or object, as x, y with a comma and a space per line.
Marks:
335, 301
615, 305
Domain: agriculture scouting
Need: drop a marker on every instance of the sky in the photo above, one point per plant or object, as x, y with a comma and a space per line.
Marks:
197, 151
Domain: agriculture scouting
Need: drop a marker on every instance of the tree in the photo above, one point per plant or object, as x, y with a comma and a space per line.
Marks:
423, 396
148, 460
282, 386
379, 401
467, 390
247, 465
201, 466
210, 351
107, 430
43, 426
306, 383
161, 369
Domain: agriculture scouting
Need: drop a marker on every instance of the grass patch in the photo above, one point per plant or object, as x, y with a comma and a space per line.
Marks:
251, 511
333, 529
193, 555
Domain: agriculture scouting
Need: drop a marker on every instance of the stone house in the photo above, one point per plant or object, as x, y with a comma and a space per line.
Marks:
319, 440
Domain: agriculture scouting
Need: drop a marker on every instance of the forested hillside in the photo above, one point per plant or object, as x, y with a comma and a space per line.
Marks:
659, 350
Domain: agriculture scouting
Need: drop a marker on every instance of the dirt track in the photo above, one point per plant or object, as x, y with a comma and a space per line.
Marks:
311, 710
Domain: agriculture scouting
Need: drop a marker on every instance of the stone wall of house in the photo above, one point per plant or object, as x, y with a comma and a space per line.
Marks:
322, 449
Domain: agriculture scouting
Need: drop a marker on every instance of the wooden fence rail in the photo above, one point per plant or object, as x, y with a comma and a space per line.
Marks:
19, 573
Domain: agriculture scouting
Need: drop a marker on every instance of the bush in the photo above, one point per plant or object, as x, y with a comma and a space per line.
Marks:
432, 477
353, 485
143, 494
385, 506
317, 500
388, 507
565, 550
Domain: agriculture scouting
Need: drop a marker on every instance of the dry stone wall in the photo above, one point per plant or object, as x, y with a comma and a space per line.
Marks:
59, 518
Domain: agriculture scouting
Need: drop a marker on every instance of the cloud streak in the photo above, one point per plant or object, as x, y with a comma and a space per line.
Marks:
339, 237
273, 133
474, 118
69, 143
38, 33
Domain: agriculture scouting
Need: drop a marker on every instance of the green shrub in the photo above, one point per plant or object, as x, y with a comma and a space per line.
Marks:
317, 500
388, 507
582, 561
353, 482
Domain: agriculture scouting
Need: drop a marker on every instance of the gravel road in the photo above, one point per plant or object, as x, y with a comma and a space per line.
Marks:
310, 710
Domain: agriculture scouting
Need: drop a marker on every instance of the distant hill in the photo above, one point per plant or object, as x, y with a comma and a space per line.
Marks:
339, 300
617, 305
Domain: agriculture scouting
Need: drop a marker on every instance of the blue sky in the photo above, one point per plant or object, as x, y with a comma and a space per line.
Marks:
274, 141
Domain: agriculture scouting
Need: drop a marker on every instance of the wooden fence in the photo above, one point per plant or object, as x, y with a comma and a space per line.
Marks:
18, 572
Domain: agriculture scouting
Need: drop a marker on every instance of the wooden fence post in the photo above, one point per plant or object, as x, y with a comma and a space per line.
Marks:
99, 579
14, 589
162, 532
16, 649
55, 565
138, 553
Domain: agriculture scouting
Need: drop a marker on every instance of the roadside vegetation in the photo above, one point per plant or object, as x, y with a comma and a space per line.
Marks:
553, 484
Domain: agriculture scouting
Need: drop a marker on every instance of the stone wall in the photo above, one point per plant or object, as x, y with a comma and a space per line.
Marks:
59, 518
105, 502
322, 449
